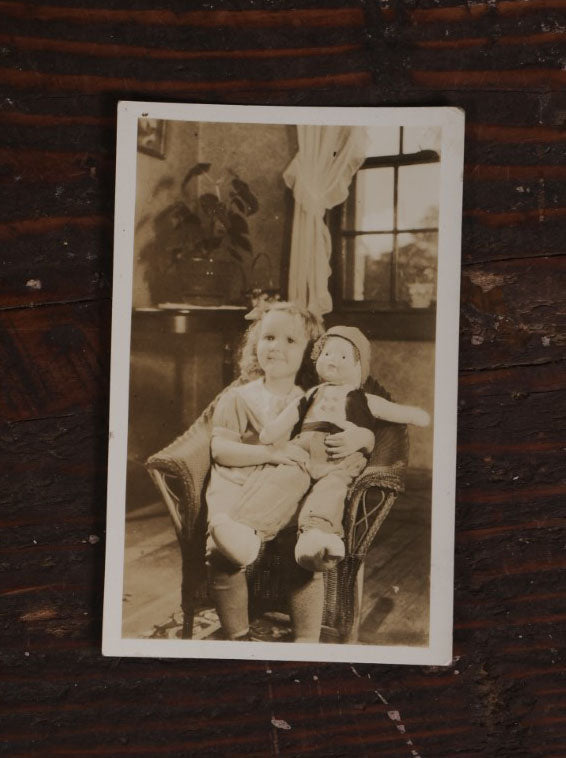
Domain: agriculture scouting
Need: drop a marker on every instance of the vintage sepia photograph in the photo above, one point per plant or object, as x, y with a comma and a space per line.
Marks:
284, 383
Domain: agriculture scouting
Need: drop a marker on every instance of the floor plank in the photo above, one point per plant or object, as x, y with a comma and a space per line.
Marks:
152, 572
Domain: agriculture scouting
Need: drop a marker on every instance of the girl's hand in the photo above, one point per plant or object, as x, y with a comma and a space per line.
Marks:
288, 454
351, 440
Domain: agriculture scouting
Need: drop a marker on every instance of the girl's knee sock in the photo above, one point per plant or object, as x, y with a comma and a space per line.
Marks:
229, 592
306, 602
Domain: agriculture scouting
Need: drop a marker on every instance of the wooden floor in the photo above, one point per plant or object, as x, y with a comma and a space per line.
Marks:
395, 608
396, 586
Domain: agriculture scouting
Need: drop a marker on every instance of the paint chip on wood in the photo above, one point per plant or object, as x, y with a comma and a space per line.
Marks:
486, 280
280, 724
42, 614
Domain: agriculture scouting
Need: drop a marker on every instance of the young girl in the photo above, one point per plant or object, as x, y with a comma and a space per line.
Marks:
263, 484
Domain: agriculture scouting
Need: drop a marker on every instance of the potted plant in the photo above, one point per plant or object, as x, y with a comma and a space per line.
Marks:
416, 279
201, 247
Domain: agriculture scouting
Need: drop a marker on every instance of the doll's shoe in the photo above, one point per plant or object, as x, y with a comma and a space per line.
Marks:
319, 551
237, 542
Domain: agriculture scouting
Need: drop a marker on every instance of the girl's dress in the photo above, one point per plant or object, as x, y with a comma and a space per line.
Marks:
264, 497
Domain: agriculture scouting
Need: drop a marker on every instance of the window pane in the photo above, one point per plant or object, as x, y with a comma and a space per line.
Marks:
418, 196
382, 140
417, 138
367, 268
373, 210
416, 269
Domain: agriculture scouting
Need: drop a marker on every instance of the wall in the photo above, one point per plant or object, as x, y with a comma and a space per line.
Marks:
258, 153
181, 152
406, 370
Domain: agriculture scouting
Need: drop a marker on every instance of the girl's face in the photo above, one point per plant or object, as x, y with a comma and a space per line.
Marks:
281, 345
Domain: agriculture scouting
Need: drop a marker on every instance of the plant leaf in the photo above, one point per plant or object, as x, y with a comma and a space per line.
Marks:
237, 223
235, 254
241, 241
237, 202
208, 203
196, 170
163, 184
175, 220
212, 243
192, 218
243, 191
221, 213
239, 185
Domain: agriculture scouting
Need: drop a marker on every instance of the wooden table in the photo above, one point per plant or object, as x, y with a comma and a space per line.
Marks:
64, 67
187, 337
181, 358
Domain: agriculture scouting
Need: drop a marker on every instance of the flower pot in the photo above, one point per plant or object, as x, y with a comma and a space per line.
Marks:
208, 281
421, 294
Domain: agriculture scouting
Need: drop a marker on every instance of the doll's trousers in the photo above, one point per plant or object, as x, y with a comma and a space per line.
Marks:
323, 507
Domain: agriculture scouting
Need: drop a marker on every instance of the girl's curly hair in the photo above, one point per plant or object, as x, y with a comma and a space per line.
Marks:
249, 365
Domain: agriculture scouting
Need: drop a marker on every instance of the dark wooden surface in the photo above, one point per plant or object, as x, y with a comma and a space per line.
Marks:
63, 68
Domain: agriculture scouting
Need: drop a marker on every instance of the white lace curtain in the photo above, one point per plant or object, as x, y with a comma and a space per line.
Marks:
319, 175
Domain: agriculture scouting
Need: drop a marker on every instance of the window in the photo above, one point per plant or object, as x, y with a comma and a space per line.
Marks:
385, 236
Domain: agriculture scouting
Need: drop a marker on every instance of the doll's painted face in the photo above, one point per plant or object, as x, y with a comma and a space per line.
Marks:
281, 345
337, 363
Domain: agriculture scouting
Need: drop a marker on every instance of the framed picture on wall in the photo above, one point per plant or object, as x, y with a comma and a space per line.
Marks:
151, 136
282, 446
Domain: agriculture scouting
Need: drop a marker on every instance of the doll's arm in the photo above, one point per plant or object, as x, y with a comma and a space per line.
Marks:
281, 426
399, 414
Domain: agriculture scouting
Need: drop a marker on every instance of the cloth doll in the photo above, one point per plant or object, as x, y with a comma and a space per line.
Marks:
342, 362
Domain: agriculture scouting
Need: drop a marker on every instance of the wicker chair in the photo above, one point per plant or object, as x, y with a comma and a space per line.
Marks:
180, 472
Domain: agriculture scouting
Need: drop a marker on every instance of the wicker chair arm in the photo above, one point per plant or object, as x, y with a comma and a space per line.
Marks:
187, 456
391, 444
180, 471
383, 477
363, 515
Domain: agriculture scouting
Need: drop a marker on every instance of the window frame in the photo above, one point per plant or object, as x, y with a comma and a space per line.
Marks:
378, 320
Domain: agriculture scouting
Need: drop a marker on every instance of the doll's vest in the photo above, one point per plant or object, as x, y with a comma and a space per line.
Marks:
357, 411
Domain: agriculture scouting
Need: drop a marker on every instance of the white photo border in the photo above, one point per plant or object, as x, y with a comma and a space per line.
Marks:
439, 649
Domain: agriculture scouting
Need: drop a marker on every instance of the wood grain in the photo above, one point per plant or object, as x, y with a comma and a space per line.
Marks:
63, 69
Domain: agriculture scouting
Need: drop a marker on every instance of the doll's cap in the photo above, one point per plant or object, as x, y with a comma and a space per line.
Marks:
358, 339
